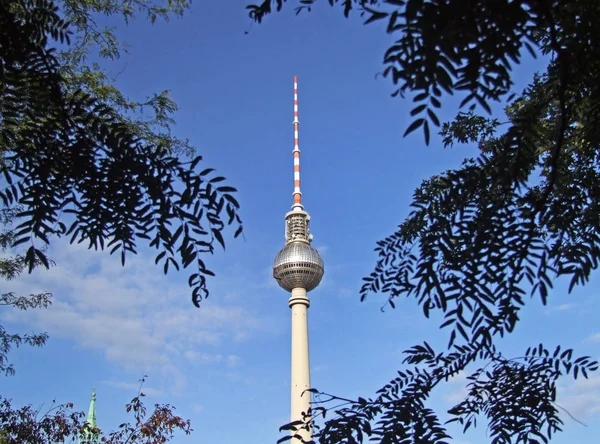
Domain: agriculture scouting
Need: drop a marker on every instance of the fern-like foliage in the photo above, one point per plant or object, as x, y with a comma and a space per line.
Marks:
76, 168
448, 47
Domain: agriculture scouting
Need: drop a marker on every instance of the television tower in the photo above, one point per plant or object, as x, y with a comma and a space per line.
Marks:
298, 268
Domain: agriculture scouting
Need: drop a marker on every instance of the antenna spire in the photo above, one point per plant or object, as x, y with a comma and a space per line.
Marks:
297, 194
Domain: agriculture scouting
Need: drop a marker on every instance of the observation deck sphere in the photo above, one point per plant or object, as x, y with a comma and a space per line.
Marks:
298, 265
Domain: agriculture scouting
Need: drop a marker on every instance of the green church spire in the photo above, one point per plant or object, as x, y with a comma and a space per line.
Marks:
91, 435
91, 417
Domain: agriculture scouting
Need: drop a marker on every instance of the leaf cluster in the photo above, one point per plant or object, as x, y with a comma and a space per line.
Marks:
257, 12
10, 340
150, 119
505, 225
10, 268
94, 35
157, 428
27, 425
447, 47
60, 423
66, 152
516, 396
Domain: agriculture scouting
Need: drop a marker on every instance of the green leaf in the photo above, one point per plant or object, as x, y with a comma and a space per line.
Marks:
219, 237
374, 15
433, 117
413, 126
418, 110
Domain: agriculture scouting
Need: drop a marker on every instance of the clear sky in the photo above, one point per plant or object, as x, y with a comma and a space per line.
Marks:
226, 365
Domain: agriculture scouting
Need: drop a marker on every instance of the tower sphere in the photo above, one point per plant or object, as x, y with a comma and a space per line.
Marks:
298, 265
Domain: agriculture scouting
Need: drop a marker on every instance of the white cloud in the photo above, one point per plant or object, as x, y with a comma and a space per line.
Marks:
233, 361
322, 249
459, 378
581, 399
595, 337
238, 377
134, 388
267, 280
141, 319
197, 408
207, 358
457, 395
562, 308
203, 358
346, 293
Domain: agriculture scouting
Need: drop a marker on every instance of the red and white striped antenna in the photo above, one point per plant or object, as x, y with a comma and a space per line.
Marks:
297, 193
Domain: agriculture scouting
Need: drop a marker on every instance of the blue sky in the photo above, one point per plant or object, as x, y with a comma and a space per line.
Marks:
226, 365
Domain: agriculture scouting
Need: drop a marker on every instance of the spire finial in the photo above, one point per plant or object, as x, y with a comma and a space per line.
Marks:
297, 194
